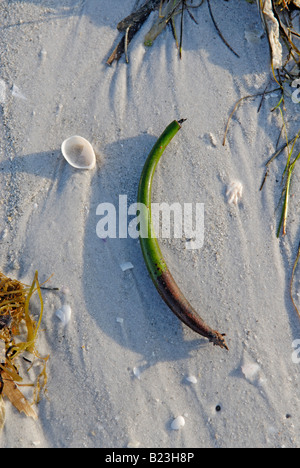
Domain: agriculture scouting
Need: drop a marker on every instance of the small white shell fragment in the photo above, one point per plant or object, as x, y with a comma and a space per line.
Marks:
2, 92
213, 140
36, 443
234, 192
79, 152
133, 444
253, 35
210, 139
251, 371
3, 234
65, 291
16, 92
126, 266
191, 379
64, 314
119, 319
136, 372
43, 55
178, 423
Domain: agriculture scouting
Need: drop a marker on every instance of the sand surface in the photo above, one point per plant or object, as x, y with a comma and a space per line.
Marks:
118, 371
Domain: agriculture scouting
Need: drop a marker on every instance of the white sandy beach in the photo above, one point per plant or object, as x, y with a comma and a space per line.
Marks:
118, 371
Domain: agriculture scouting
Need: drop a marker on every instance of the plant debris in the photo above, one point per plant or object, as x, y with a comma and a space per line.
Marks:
218, 30
130, 25
271, 25
278, 17
281, 20
167, 11
292, 281
18, 334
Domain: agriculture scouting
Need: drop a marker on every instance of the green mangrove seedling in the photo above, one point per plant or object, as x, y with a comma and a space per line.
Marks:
157, 267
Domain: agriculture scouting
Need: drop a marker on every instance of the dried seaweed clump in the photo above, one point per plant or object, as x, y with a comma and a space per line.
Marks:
18, 334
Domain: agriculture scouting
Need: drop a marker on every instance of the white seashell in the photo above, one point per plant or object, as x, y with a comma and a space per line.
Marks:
191, 379
126, 266
254, 35
78, 152
16, 92
137, 372
43, 55
178, 423
234, 192
64, 314
251, 371
133, 444
2, 92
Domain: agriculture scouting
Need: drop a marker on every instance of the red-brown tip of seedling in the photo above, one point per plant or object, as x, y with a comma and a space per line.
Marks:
218, 340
